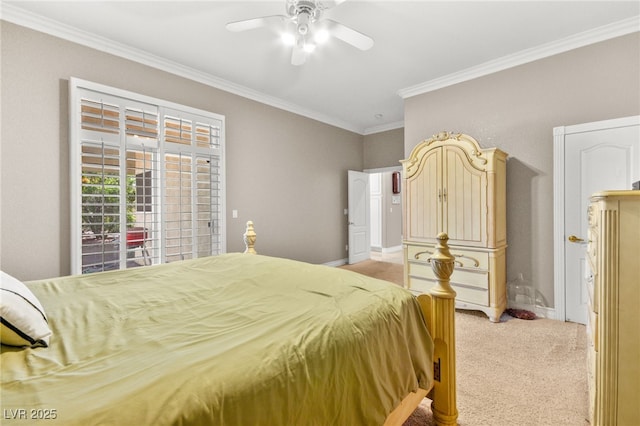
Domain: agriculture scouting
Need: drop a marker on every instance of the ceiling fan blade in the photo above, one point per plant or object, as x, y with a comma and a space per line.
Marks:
249, 24
298, 55
348, 35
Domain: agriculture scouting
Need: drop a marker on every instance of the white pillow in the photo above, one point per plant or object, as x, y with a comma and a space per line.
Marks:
22, 317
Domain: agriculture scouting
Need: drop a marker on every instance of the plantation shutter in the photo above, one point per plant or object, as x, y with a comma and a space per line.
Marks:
208, 208
100, 117
178, 214
142, 124
101, 206
143, 206
147, 180
193, 208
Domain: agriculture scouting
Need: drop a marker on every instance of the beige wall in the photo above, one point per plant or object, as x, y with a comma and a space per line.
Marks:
384, 149
516, 110
392, 216
285, 172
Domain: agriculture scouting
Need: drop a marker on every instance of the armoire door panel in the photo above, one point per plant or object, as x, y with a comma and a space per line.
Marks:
464, 208
425, 206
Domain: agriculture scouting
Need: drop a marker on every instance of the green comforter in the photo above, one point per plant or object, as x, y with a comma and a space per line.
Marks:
226, 340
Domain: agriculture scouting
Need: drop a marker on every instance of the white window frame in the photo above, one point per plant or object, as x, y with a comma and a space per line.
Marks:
77, 87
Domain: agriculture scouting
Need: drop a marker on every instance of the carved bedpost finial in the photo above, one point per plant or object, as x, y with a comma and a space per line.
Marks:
250, 238
442, 263
444, 406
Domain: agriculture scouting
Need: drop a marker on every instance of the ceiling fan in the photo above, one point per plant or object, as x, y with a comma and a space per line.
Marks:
304, 28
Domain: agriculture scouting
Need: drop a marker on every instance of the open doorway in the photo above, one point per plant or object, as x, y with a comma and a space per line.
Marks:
386, 214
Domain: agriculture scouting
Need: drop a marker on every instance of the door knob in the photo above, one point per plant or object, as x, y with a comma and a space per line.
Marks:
574, 239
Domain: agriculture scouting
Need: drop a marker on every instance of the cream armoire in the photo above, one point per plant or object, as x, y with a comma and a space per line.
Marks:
453, 185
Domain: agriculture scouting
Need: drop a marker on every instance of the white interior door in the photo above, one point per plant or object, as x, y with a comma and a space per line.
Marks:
359, 217
375, 204
597, 156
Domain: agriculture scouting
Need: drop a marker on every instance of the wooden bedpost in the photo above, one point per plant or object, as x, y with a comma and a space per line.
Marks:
445, 411
250, 238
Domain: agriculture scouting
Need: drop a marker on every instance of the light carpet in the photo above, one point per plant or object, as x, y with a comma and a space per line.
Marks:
515, 372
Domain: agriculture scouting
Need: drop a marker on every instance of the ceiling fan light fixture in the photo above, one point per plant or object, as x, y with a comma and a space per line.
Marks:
309, 47
288, 39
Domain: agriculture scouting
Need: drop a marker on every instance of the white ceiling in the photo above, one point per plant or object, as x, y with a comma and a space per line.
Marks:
419, 46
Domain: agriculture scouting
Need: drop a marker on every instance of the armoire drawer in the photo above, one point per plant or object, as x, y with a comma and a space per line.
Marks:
465, 259
475, 295
473, 278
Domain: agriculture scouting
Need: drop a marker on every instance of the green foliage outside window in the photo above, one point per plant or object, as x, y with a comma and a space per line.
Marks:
101, 204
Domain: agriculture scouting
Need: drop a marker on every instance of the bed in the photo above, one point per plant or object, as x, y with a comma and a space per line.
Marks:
234, 339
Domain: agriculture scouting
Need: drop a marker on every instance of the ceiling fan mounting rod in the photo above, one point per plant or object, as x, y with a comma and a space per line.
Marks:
295, 8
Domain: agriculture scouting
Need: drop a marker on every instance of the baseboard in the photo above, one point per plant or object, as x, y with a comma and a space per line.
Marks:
385, 250
393, 249
336, 263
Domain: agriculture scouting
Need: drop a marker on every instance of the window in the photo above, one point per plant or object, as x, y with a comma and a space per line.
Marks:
144, 191
147, 180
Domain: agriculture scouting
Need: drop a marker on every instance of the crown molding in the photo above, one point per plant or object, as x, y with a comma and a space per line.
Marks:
606, 32
19, 16
383, 128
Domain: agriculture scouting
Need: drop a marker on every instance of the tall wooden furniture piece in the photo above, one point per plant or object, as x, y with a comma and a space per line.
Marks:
613, 327
452, 185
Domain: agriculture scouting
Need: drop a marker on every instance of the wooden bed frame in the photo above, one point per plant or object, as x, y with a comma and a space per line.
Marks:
438, 309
